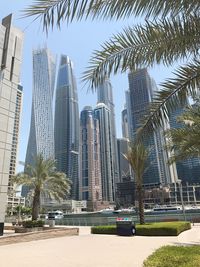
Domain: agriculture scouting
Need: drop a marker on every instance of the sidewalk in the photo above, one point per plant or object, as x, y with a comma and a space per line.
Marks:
88, 250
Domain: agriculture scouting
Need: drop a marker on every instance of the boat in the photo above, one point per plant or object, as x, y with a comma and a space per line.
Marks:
107, 211
167, 209
55, 214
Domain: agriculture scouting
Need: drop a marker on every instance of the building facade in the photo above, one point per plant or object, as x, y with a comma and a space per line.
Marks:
41, 139
66, 128
105, 95
90, 188
124, 166
141, 91
125, 131
108, 174
188, 170
11, 40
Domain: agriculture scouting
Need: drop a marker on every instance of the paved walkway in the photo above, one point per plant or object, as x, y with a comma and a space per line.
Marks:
88, 250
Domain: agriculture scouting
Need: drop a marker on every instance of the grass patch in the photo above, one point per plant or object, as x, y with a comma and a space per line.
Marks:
173, 256
150, 229
162, 228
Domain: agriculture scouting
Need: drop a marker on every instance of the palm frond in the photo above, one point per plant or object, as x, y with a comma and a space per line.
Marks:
184, 141
145, 45
56, 11
137, 157
174, 93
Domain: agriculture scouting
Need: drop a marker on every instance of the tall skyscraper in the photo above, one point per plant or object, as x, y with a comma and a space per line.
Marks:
102, 114
90, 168
142, 89
11, 40
105, 95
67, 124
41, 139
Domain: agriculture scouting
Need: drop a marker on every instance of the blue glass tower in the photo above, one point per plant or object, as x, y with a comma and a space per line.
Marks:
66, 128
188, 170
141, 91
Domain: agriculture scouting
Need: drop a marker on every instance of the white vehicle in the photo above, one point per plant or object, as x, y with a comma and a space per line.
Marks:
55, 214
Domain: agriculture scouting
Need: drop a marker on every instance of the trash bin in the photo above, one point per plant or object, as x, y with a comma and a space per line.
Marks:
125, 227
51, 219
51, 223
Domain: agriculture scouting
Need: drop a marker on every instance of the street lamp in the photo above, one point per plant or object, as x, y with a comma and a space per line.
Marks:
179, 182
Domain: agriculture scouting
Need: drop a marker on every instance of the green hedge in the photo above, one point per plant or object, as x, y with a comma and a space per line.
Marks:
162, 228
31, 224
104, 230
150, 229
174, 256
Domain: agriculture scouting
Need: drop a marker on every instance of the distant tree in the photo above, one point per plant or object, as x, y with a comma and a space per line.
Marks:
137, 157
43, 180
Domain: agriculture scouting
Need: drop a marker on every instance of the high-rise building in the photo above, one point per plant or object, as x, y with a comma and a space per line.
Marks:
108, 174
12, 203
188, 170
90, 169
125, 133
67, 124
18, 108
105, 95
141, 91
41, 139
11, 40
124, 166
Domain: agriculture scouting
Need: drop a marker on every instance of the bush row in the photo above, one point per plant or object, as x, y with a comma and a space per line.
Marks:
150, 229
31, 224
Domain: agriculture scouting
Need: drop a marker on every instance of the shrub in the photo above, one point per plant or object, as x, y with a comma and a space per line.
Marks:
162, 228
174, 256
31, 224
104, 230
151, 229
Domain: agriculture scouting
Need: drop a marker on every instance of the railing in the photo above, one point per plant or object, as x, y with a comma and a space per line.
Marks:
94, 220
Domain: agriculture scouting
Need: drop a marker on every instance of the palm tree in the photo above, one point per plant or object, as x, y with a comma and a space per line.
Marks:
170, 33
184, 141
137, 157
43, 180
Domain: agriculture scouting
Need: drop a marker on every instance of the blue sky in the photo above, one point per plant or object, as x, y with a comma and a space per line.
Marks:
77, 40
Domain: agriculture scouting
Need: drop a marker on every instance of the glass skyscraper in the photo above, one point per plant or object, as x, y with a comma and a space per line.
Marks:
105, 95
66, 127
41, 140
141, 91
102, 114
90, 168
11, 41
188, 170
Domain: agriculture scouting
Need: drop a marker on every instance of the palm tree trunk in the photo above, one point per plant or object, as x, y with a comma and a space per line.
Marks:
141, 204
36, 205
